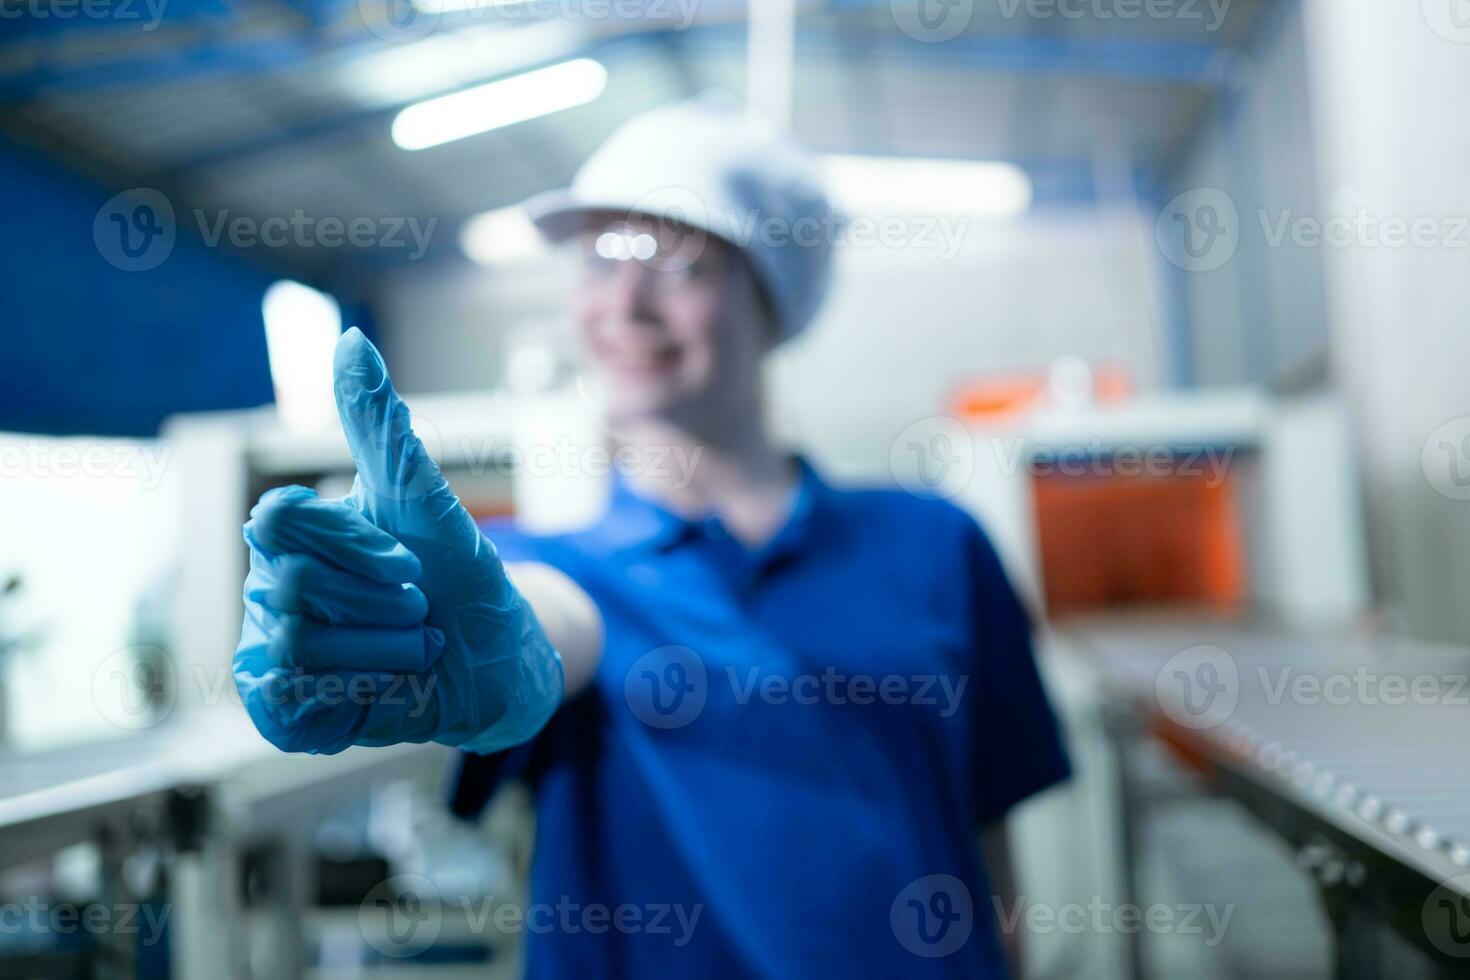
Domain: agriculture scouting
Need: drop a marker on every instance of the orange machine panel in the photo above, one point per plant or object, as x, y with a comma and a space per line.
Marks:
1139, 540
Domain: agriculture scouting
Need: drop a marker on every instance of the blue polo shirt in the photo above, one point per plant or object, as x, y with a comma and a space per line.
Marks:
782, 765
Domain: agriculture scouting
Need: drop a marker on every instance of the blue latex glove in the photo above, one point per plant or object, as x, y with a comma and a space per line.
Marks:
385, 616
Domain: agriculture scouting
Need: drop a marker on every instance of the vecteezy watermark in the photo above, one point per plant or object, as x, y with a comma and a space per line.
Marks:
146, 13
938, 456
402, 21
398, 21
932, 916
567, 458
50, 458
566, 917
666, 688
137, 230
1100, 917
684, 216
674, 15
1209, 14
933, 457
1450, 19
138, 687
836, 688
404, 916
480, 456
1364, 229
301, 230
1445, 917
135, 688
1198, 688
1199, 231
1211, 464
1362, 686
1201, 687
669, 687
932, 21
37, 917
1445, 459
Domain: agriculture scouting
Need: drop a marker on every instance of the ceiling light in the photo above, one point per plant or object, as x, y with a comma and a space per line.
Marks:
398, 74
502, 235
887, 185
454, 6
501, 103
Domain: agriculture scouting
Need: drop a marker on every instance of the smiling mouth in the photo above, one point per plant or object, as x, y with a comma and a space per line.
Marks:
642, 362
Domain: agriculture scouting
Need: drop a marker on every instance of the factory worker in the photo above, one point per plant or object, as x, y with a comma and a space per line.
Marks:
772, 727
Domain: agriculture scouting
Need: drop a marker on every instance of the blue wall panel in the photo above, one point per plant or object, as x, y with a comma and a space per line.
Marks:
87, 347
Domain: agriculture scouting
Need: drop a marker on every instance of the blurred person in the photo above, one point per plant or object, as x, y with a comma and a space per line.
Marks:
772, 727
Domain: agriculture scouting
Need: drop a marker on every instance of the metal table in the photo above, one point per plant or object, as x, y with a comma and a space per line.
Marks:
206, 790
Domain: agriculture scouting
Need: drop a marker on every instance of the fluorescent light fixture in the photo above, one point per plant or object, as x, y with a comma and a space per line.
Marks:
502, 235
301, 330
501, 103
908, 185
398, 74
454, 6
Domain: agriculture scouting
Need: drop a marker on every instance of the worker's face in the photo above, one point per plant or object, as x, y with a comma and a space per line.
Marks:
672, 322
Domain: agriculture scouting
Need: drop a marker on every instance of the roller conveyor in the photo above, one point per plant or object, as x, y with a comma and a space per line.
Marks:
1371, 783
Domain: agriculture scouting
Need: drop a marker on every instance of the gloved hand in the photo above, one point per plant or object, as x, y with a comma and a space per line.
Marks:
385, 616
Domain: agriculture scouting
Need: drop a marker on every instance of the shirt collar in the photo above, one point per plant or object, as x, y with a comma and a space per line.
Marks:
634, 522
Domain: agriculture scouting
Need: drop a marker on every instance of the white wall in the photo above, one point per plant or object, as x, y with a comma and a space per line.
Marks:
1394, 141
903, 326
1261, 316
903, 329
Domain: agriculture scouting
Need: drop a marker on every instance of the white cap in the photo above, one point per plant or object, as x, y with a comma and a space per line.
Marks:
705, 165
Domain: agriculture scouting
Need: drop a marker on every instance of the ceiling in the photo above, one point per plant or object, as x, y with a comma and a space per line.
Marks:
262, 107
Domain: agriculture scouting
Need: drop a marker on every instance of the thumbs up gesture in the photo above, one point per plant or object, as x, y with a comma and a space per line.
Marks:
385, 616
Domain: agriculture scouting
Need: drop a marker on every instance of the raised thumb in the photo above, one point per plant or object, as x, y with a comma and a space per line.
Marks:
396, 475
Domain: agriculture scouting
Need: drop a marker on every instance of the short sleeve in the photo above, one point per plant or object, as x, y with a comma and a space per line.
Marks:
1018, 748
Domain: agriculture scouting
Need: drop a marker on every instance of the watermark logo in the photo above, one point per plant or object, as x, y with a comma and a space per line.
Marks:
307, 231
932, 21
148, 12
933, 916
145, 464
1362, 687
941, 692
1446, 459
1450, 19
1198, 687
938, 456
667, 688
934, 457
1363, 228
35, 917
1210, 15
418, 476
135, 230
1199, 231
138, 687
398, 21
134, 688
676, 15
1446, 917
1100, 917
666, 229
672, 222
402, 916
